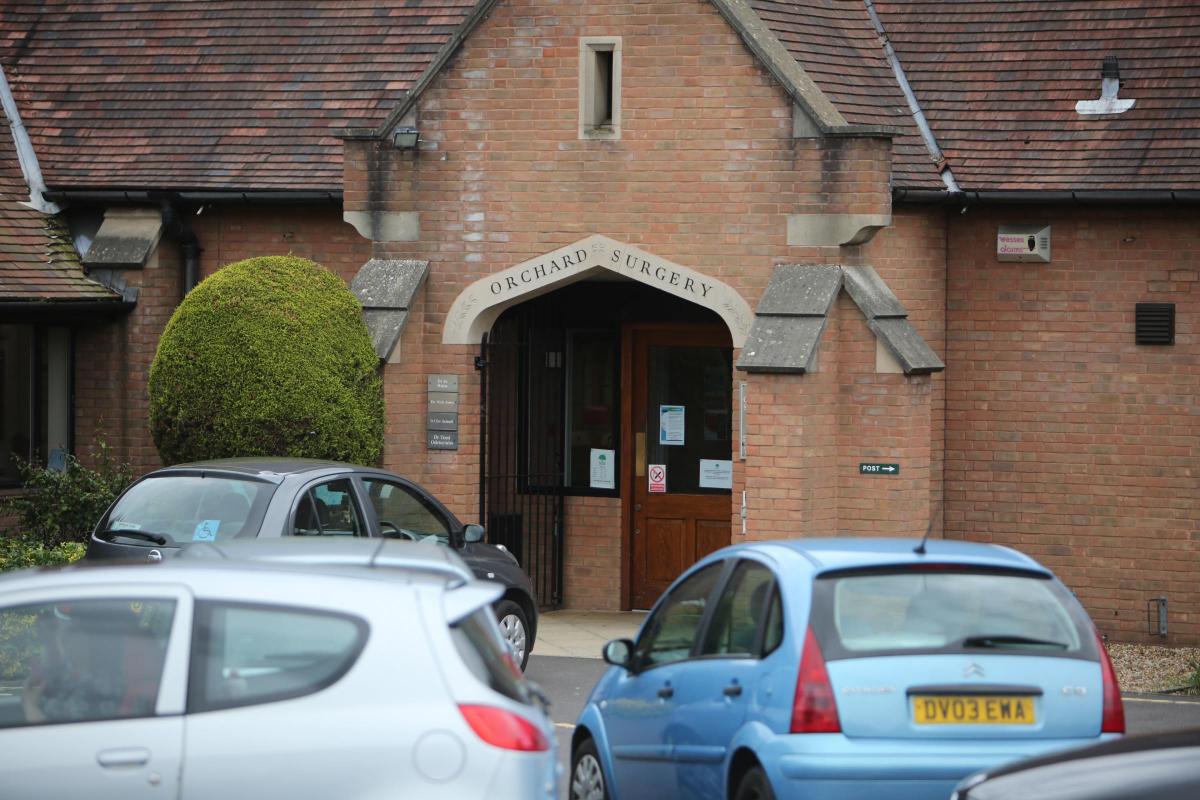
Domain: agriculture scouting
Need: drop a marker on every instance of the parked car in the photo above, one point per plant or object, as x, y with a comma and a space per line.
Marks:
844, 668
216, 678
241, 498
1163, 766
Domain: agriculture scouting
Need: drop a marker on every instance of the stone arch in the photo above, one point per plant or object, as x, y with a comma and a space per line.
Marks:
478, 306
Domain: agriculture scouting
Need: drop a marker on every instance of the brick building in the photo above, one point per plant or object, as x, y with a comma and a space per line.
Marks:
646, 278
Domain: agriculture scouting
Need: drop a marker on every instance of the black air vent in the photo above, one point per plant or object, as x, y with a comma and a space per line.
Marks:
1155, 323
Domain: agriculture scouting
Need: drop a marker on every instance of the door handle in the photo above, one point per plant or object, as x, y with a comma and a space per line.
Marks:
733, 690
666, 692
123, 757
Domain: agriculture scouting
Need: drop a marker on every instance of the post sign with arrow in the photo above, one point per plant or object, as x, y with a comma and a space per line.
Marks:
878, 469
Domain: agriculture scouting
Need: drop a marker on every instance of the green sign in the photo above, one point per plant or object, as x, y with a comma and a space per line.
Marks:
878, 469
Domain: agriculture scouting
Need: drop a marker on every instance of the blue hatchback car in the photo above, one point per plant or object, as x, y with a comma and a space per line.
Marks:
844, 669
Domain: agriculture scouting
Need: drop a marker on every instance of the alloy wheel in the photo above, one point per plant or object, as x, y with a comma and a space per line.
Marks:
587, 782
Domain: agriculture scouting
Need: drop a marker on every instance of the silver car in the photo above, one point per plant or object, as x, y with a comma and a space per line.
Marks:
215, 678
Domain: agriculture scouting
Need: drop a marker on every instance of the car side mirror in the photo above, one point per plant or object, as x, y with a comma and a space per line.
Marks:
619, 653
473, 533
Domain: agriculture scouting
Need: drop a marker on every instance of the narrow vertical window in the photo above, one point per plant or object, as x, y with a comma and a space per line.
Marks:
600, 88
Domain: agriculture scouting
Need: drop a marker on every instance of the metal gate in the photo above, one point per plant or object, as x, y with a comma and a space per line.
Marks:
521, 475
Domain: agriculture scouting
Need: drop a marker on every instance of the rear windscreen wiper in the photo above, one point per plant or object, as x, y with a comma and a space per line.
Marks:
1003, 640
111, 533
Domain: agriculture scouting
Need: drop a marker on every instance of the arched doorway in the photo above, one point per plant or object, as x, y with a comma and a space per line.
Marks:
574, 385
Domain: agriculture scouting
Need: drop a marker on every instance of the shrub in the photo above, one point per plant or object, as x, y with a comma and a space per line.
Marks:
268, 356
17, 552
60, 506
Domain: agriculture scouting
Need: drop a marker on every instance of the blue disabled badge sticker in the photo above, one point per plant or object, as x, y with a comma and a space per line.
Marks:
206, 531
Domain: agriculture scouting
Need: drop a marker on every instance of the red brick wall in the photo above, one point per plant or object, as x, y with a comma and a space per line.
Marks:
592, 553
112, 361
1064, 438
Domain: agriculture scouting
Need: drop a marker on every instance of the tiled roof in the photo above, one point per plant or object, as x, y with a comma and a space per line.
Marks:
999, 82
37, 259
211, 95
836, 43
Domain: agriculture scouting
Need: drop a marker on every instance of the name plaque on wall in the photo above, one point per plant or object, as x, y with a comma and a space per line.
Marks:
441, 419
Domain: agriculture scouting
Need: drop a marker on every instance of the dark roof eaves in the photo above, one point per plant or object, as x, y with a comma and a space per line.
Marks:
1010, 196
478, 14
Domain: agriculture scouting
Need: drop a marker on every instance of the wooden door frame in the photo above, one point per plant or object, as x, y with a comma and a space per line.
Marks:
628, 456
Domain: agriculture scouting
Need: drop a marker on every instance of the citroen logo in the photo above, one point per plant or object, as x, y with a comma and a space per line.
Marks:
973, 670
154, 556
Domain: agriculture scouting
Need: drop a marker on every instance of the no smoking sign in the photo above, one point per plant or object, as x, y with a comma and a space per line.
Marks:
658, 478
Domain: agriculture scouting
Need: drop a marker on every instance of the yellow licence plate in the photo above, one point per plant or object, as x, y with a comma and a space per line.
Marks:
972, 710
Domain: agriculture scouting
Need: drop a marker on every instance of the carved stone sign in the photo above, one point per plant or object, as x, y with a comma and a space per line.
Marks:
481, 303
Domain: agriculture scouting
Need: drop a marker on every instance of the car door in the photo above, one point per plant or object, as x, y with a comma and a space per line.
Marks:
328, 508
719, 684
92, 687
402, 511
638, 708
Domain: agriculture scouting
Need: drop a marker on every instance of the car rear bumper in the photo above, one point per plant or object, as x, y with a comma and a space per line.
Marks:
820, 766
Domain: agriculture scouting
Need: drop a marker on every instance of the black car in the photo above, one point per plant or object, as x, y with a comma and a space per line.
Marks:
1163, 766
246, 498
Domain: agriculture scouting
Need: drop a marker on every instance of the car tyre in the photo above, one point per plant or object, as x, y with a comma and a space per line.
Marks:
514, 627
754, 786
587, 776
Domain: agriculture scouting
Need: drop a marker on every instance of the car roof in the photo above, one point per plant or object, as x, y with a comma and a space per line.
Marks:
849, 553
264, 466
1189, 738
319, 551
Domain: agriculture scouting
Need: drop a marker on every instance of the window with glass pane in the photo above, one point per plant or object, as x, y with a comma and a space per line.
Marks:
742, 607
82, 660
592, 403
259, 654
697, 383
329, 510
401, 511
35, 396
672, 632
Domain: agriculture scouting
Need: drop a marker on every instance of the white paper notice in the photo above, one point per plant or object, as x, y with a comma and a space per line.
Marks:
715, 474
604, 469
670, 424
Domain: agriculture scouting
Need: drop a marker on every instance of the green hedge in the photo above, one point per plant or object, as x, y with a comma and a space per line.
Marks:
19, 552
268, 356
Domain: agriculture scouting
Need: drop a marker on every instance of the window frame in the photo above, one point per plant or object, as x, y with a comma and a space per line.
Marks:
356, 498
203, 626
589, 126
424, 499
760, 632
569, 335
723, 569
40, 369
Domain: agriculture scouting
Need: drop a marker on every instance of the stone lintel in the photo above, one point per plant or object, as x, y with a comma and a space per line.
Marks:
386, 289
834, 230
386, 226
871, 294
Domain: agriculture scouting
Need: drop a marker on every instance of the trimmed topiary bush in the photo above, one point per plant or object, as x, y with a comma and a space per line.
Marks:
269, 356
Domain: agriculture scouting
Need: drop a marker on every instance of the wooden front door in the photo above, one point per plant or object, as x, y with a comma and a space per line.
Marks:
679, 435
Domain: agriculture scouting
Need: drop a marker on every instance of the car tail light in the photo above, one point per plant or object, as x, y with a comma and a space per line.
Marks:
504, 729
1113, 720
814, 710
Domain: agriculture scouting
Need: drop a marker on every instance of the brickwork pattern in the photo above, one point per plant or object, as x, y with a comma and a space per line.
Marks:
1064, 438
592, 553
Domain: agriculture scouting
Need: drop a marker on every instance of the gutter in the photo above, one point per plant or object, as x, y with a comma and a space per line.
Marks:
155, 197
18, 309
1029, 196
914, 105
26, 155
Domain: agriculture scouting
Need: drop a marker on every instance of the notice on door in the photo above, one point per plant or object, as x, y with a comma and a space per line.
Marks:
716, 474
670, 425
603, 469
657, 473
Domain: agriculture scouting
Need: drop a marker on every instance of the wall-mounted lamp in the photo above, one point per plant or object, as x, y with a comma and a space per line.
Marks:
405, 138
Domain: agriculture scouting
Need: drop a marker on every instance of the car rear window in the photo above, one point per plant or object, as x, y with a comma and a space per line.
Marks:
191, 508
948, 610
479, 644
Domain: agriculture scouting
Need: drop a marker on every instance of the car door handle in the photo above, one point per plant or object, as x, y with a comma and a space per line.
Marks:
666, 692
733, 690
123, 757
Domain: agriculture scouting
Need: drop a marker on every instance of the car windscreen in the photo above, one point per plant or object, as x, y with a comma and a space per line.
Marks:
485, 653
956, 610
191, 508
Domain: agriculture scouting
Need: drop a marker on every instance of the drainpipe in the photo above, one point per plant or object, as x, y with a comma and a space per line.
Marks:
189, 245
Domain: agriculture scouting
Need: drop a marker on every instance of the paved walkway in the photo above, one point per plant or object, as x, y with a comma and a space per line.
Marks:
581, 634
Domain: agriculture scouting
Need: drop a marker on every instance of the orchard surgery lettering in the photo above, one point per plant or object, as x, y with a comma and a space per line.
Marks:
537, 272
626, 261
